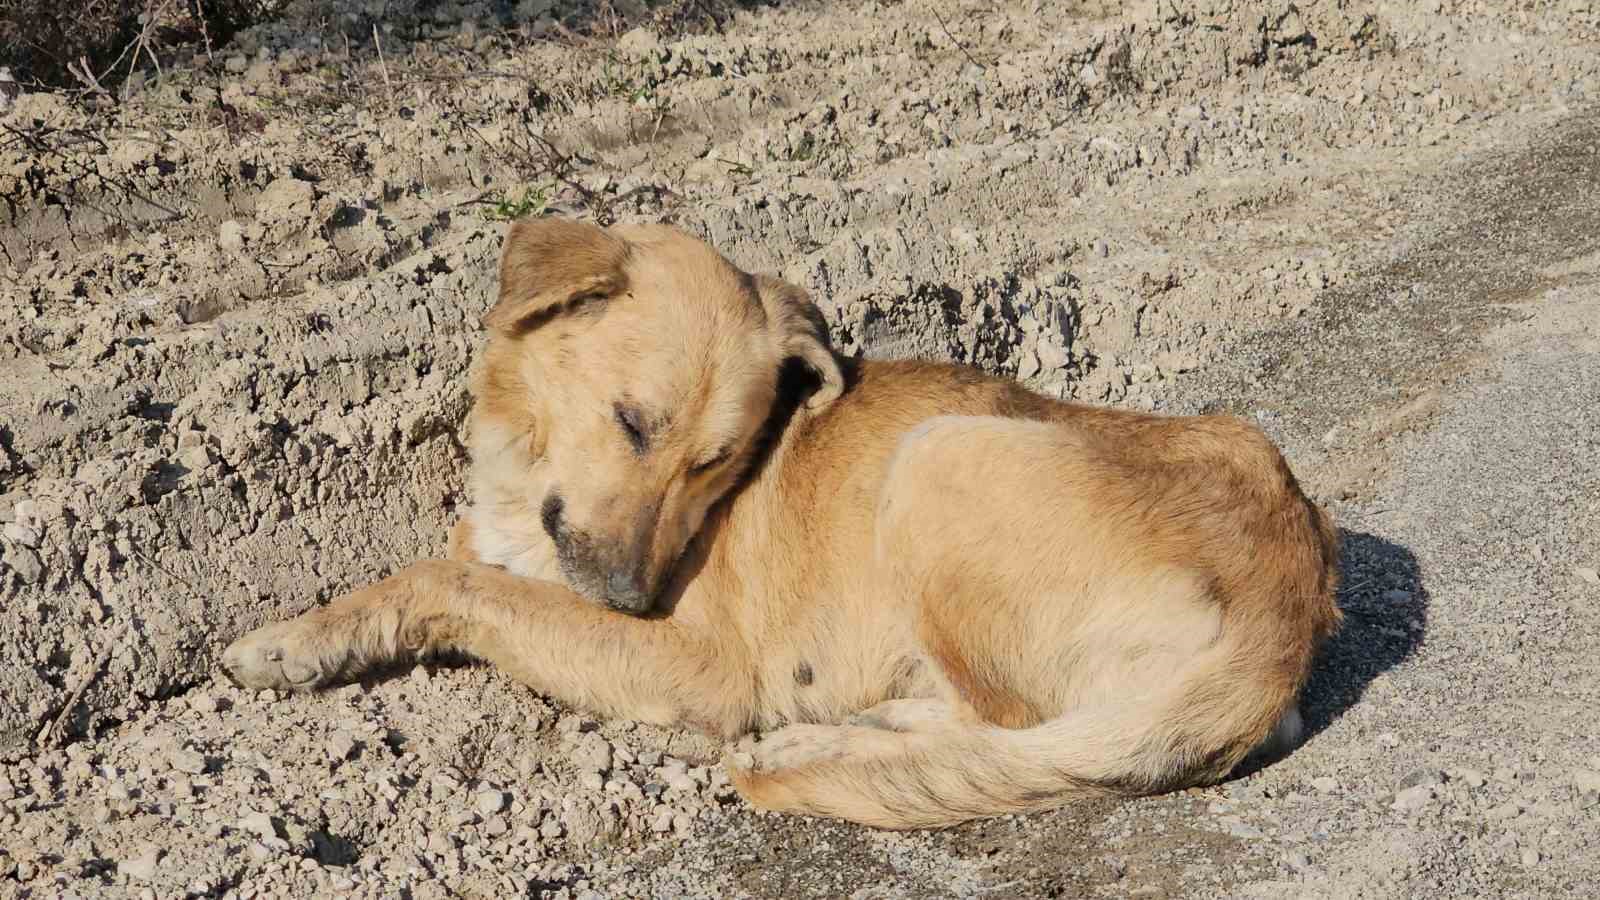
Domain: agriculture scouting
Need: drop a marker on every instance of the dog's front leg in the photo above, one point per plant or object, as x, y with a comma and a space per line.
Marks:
539, 632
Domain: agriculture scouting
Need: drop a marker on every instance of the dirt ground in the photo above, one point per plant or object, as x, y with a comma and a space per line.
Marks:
237, 308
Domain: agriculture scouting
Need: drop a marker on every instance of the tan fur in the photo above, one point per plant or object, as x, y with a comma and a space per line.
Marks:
950, 597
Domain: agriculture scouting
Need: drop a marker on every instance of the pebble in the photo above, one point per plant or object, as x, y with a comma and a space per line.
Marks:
593, 754
1422, 777
258, 824
1413, 798
236, 64
492, 802
201, 702
1592, 576
1325, 785
1587, 781
188, 762
340, 746
143, 866
1530, 856
1472, 778
19, 533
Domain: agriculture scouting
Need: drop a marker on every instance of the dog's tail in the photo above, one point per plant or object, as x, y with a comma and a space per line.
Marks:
1232, 700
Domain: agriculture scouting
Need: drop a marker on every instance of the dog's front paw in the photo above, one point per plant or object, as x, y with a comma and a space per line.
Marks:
281, 656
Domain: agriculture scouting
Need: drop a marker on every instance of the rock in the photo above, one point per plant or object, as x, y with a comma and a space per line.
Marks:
143, 867
492, 802
188, 762
1472, 778
201, 702
1422, 777
661, 823
593, 754
26, 512
1413, 798
340, 746
1530, 856
1388, 740
1101, 248
257, 823
496, 826
286, 200
236, 64
26, 562
1239, 828
1508, 810
1325, 785
18, 533
1587, 781
581, 824
1592, 576
230, 236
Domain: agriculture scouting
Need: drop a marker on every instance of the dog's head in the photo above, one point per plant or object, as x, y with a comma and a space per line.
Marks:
628, 378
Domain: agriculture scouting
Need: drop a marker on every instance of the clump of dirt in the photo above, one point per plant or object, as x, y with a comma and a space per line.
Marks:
237, 310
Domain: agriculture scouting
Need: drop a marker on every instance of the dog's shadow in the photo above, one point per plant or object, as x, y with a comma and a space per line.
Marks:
1385, 607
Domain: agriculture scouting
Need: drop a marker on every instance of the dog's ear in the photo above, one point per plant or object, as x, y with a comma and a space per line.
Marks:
801, 333
549, 262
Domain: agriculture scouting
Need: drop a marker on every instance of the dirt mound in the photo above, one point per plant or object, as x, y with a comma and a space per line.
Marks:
237, 312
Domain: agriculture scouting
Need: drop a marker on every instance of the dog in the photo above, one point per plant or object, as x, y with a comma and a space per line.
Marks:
938, 595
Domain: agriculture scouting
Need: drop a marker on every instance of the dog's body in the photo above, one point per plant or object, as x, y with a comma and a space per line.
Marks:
1007, 601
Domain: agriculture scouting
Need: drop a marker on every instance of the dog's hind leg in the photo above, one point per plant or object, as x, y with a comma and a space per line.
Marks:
538, 632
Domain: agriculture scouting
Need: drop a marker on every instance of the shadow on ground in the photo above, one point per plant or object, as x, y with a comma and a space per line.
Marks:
1386, 615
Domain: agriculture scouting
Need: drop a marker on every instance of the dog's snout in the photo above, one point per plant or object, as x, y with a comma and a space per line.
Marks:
625, 592
550, 516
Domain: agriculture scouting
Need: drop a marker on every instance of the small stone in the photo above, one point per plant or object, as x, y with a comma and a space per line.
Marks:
662, 821
259, 824
1422, 777
681, 823
201, 702
188, 762
236, 63
492, 802
1240, 828
26, 512
496, 826
1592, 576
1587, 781
19, 533
1101, 248
230, 236
1472, 778
1388, 740
551, 829
27, 563
143, 866
1530, 856
1413, 798
340, 746
1325, 785
1507, 810
593, 754
1298, 861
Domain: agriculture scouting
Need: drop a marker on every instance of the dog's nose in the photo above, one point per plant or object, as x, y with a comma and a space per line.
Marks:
625, 593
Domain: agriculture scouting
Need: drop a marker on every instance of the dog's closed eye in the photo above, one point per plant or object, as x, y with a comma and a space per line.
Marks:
634, 426
711, 462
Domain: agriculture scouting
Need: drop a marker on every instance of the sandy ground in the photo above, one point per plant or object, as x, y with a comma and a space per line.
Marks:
237, 309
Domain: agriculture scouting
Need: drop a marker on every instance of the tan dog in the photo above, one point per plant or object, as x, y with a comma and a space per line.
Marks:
688, 512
